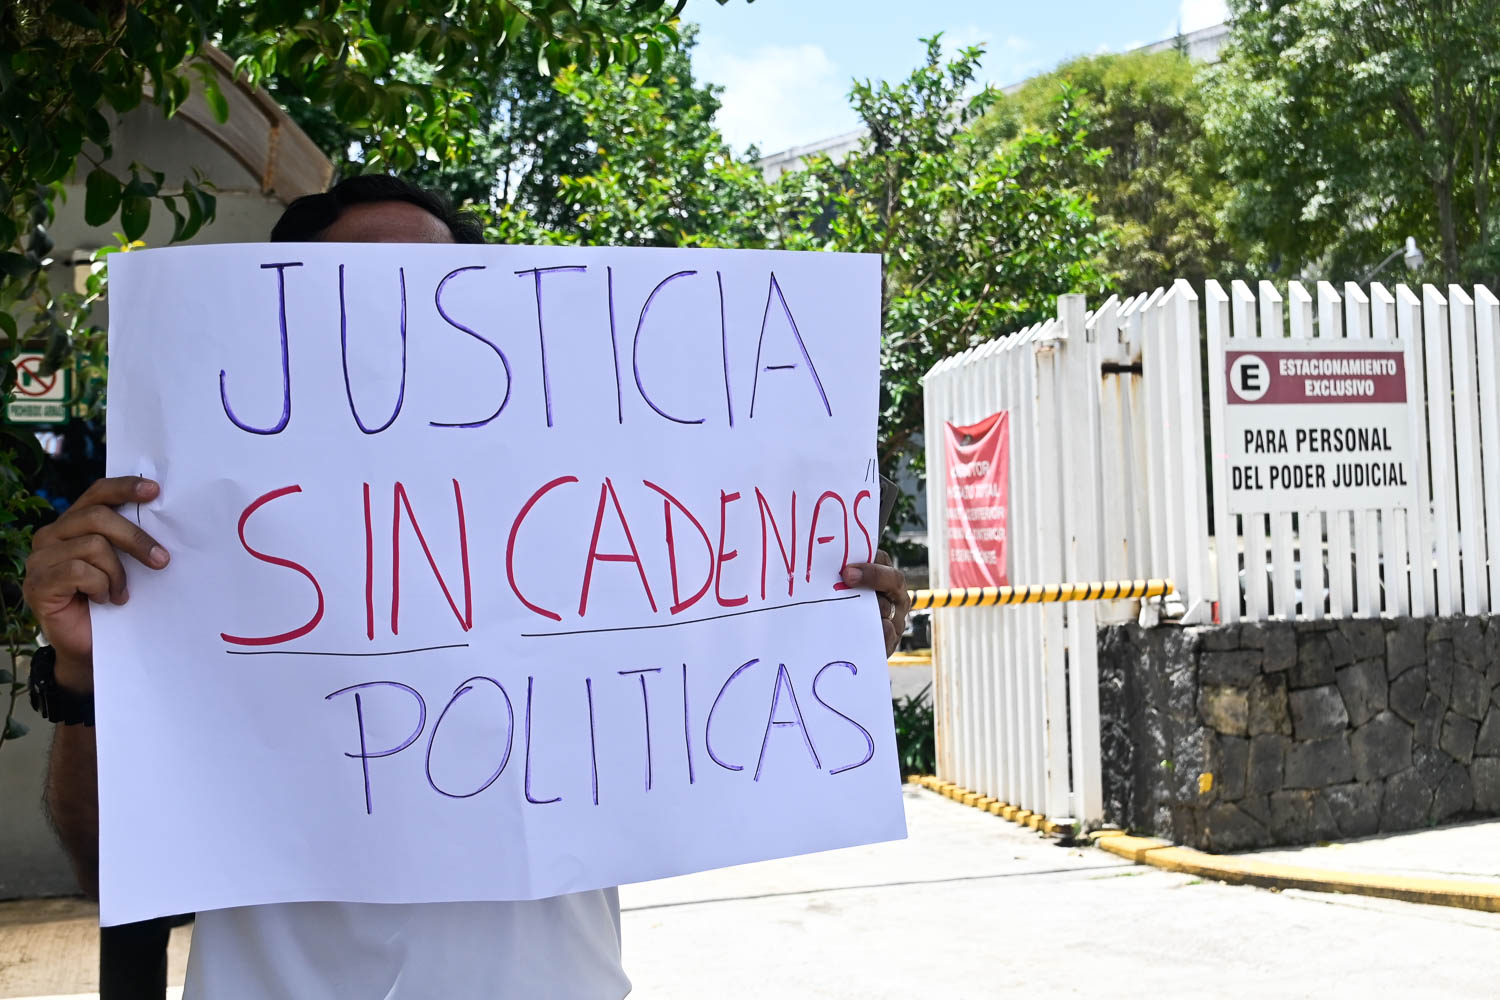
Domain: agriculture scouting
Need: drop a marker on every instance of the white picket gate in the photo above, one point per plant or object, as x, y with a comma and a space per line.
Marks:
1017, 687
1110, 479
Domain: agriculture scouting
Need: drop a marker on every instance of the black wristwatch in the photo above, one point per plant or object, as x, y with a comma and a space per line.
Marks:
52, 702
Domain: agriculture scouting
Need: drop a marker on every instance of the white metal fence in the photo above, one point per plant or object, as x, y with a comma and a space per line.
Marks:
1017, 687
1110, 479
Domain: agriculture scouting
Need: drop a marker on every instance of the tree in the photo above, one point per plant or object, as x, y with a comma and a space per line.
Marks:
1347, 127
525, 134
663, 175
978, 239
1159, 190
397, 75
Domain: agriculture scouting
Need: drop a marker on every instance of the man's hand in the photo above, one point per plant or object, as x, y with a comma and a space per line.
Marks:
76, 559
889, 583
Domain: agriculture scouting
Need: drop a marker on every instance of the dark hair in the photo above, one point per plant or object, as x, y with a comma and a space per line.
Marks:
305, 219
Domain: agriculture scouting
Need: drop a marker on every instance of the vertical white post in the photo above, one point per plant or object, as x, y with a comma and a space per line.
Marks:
1142, 525
963, 625
1466, 443
1367, 599
1253, 534
1050, 511
1340, 572
1419, 530
1440, 434
1310, 557
1188, 401
935, 404
1487, 328
1034, 648
1016, 658
1153, 382
1393, 522
1216, 308
1082, 516
987, 620
1115, 435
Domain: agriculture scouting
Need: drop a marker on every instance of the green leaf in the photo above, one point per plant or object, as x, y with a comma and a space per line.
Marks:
210, 205
15, 728
8, 325
6, 677
135, 216
101, 196
179, 224
380, 15
75, 12
214, 97
14, 265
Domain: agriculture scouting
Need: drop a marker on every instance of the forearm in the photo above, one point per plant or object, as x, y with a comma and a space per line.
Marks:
72, 797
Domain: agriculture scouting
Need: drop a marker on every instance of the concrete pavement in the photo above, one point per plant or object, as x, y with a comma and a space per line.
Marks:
973, 907
970, 906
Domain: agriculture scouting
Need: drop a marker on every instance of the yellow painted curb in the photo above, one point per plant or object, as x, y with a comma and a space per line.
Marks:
989, 804
1132, 848
1247, 870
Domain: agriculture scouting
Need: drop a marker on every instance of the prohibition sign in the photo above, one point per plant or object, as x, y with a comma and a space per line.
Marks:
30, 381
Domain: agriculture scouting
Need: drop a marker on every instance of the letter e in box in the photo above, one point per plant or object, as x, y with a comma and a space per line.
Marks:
1249, 378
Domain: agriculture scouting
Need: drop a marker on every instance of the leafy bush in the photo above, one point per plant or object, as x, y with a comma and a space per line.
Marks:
916, 738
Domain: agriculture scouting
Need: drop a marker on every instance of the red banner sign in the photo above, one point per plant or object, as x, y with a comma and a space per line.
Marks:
978, 485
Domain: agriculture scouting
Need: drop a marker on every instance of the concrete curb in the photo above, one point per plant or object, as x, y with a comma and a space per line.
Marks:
1006, 811
1247, 870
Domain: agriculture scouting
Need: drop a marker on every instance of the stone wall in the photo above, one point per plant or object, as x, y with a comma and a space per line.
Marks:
1231, 737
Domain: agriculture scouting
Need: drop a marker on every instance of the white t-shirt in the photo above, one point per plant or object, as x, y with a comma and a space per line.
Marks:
564, 948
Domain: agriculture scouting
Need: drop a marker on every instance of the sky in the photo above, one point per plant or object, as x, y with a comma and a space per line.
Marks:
786, 65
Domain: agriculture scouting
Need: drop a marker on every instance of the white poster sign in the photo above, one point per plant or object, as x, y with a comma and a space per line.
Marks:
497, 572
1316, 425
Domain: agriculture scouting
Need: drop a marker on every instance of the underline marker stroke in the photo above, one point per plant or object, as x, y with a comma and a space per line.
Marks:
318, 652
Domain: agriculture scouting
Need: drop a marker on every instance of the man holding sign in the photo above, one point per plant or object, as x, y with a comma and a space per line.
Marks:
584, 672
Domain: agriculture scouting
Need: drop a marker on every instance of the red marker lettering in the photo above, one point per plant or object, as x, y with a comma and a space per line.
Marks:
668, 502
607, 491
510, 545
398, 501
788, 556
725, 499
814, 538
312, 622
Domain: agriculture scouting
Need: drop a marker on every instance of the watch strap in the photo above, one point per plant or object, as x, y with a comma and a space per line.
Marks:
53, 702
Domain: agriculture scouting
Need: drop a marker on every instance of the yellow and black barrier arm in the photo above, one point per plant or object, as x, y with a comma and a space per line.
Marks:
1048, 593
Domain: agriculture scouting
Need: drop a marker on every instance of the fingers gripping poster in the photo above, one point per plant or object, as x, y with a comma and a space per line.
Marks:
497, 572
